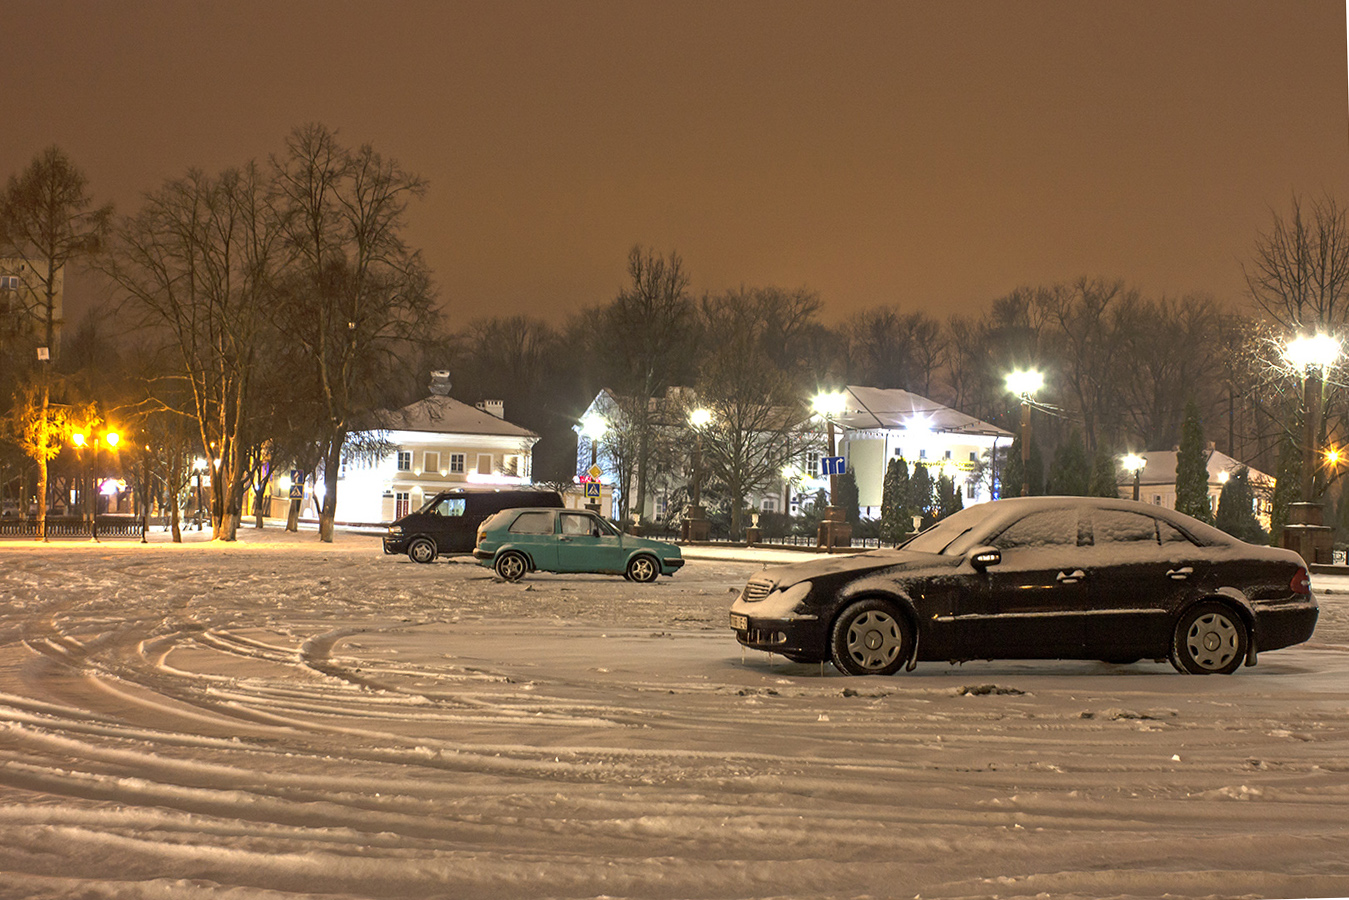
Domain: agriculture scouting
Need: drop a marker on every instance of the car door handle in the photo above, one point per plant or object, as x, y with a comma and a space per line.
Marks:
1180, 574
1071, 577
565, 539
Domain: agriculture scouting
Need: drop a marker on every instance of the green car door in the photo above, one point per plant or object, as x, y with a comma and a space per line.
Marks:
535, 532
587, 543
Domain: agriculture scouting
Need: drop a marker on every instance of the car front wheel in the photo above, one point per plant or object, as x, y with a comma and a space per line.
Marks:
511, 566
871, 638
422, 550
643, 569
1210, 639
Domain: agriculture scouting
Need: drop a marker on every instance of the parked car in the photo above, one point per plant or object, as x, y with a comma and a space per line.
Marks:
1037, 578
447, 524
517, 541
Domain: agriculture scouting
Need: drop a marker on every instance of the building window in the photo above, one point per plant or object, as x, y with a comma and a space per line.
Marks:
484, 464
922, 453
456, 464
405, 460
431, 463
970, 489
948, 454
813, 463
974, 457
768, 504
402, 503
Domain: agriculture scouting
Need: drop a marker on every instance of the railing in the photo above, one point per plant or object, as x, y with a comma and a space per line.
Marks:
72, 526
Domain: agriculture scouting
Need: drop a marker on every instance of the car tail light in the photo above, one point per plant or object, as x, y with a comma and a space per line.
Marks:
1301, 583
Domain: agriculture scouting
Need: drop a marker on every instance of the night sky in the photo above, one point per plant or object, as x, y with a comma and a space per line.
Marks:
928, 155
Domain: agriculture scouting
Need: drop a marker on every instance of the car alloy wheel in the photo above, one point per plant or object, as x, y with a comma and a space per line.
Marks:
511, 566
1210, 639
643, 569
422, 550
871, 638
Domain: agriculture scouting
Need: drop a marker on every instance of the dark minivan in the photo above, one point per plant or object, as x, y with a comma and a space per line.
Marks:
448, 522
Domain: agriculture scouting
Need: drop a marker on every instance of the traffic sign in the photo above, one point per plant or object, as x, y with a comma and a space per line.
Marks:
296, 484
594, 471
592, 489
833, 465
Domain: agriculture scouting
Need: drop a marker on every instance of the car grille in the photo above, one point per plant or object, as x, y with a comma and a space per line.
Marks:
757, 589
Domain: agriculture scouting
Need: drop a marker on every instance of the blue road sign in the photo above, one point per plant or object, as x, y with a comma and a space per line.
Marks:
592, 489
833, 465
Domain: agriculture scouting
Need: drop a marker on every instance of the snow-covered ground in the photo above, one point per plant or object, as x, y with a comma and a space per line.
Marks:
278, 717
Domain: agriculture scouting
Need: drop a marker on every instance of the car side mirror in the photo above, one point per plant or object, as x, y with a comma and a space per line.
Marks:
983, 557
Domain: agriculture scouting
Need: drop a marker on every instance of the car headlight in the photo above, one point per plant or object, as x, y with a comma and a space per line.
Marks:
395, 531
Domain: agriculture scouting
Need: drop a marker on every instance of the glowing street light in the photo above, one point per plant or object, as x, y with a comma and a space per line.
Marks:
594, 426
1135, 463
696, 527
830, 405
1311, 355
1024, 384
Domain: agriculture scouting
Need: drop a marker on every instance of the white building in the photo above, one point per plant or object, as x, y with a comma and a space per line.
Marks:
1157, 482
881, 424
434, 444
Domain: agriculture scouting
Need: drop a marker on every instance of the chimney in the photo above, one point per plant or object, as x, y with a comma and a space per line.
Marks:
495, 407
440, 383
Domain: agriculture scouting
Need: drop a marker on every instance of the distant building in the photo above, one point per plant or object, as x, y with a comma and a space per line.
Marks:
431, 445
882, 424
1157, 481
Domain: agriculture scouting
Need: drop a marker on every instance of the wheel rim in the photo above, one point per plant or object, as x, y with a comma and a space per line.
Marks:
1212, 641
511, 567
643, 570
421, 551
874, 639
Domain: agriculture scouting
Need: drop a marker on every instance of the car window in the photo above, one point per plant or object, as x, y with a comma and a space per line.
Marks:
1117, 526
1170, 534
450, 506
1048, 528
533, 523
578, 523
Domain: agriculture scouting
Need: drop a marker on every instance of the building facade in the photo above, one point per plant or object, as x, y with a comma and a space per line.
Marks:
1157, 482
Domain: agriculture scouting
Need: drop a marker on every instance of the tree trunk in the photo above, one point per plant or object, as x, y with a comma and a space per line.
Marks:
331, 466
42, 463
293, 516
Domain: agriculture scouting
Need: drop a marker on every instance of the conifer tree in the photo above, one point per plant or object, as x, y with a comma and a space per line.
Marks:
1236, 508
921, 491
1287, 486
1104, 474
1192, 496
896, 519
1069, 474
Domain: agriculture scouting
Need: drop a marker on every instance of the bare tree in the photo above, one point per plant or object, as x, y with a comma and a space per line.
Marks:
199, 263
45, 222
359, 293
1299, 275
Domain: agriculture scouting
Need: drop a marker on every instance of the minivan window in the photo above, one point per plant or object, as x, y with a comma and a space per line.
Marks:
449, 506
533, 523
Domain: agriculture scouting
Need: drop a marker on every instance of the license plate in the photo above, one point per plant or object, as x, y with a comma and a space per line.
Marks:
739, 622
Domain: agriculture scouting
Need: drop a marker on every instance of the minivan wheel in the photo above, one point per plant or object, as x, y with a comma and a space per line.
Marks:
1210, 639
871, 638
422, 550
643, 569
511, 566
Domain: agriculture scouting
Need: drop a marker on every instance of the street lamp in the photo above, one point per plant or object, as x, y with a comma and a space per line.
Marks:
198, 466
834, 530
696, 527
1311, 356
90, 439
1135, 463
1024, 384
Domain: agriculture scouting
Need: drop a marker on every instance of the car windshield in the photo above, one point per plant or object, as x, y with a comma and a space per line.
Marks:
951, 535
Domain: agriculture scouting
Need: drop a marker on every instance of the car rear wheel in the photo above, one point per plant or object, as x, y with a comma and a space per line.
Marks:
1210, 639
511, 566
871, 638
643, 569
422, 550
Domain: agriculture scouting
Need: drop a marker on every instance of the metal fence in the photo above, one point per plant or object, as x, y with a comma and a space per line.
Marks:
72, 526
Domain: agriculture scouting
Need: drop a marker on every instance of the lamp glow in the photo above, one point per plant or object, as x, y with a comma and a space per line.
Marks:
1319, 350
833, 403
1025, 383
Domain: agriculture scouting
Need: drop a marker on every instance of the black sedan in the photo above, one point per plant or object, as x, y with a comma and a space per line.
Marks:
1037, 578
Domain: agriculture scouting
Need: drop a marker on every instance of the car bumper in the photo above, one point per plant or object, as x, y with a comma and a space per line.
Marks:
801, 637
395, 545
1284, 625
483, 556
671, 566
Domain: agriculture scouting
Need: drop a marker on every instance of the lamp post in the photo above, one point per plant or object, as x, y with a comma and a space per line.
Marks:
1305, 533
594, 427
198, 465
1135, 463
81, 440
1024, 384
834, 529
696, 527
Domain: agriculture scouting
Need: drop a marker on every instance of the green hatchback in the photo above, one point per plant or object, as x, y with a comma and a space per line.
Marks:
516, 541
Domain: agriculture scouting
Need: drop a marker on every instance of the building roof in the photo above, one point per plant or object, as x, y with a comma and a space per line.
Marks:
445, 415
870, 408
1160, 469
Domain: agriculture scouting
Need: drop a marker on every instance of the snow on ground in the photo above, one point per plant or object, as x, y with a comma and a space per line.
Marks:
282, 718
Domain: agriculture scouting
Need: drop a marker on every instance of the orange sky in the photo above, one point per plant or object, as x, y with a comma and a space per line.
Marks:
929, 155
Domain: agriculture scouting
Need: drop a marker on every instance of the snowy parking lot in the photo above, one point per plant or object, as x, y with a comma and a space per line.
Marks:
281, 718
